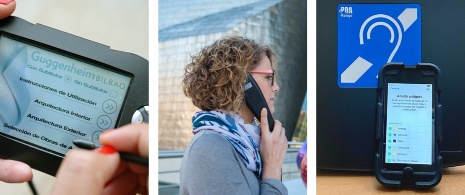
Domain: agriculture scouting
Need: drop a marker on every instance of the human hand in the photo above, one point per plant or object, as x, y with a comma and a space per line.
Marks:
101, 171
273, 147
7, 7
12, 171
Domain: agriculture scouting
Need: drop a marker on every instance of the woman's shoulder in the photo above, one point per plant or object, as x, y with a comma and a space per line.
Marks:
209, 140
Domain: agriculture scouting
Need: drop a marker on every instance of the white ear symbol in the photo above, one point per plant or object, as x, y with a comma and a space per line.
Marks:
391, 40
360, 64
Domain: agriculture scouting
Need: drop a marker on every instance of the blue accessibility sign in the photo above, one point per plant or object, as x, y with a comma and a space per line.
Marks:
371, 35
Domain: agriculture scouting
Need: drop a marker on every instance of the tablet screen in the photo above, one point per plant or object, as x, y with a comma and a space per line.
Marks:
409, 124
49, 100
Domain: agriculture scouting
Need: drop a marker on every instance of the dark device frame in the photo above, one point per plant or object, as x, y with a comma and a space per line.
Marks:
84, 50
401, 174
255, 100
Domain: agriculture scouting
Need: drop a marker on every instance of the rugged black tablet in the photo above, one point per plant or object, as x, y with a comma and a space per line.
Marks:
408, 127
56, 88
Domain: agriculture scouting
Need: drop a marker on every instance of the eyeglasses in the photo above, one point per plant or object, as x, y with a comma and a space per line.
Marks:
272, 72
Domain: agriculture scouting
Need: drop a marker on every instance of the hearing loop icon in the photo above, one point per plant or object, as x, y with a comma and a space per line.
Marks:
380, 37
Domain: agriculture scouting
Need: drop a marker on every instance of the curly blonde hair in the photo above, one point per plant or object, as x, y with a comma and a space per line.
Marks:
216, 76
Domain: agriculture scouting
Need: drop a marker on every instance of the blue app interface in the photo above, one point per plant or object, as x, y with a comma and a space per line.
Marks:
50, 100
409, 124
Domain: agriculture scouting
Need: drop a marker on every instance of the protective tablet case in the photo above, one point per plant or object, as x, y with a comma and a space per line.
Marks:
408, 177
14, 98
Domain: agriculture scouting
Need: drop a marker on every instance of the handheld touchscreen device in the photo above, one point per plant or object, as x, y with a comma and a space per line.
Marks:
408, 129
255, 101
57, 88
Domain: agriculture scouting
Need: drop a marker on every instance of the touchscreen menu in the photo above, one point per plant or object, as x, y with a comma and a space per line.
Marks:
409, 124
49, 100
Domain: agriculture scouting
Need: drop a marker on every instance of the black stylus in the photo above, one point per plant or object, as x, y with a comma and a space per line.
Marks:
124, 155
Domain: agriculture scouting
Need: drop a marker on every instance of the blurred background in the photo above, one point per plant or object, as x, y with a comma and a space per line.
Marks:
122, 25
184, 27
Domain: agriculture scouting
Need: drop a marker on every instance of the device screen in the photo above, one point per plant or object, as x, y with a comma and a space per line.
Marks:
49, 100
409, 124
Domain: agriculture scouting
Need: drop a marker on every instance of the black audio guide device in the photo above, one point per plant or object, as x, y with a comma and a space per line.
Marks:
57, 88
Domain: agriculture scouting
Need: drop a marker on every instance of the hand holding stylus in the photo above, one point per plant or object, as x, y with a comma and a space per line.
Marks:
128, 157
101, 171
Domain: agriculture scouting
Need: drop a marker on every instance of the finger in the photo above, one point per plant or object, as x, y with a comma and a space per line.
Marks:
143, 181
130, 138
14, 171
7, 8
277, 128
284, 137
264, 120
85, 172
143, 190
122, 167
134, 191
136, 168
122, 184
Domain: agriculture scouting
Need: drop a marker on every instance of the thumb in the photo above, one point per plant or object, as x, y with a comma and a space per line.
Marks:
14, 171
7, 8
86, 172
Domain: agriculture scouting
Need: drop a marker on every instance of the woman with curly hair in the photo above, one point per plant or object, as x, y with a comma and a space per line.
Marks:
231, 152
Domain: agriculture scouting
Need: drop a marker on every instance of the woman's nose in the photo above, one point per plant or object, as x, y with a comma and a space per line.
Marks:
275, 87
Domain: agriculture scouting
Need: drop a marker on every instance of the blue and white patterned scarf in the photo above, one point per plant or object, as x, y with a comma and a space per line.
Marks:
245, 138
